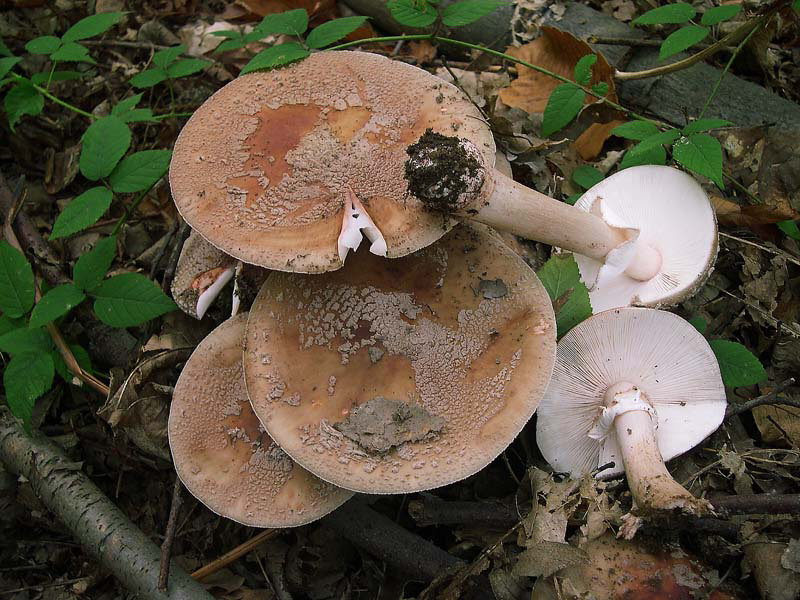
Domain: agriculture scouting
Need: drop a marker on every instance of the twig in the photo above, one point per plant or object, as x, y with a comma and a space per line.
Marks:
784, 255
760, 504
94, 520
770, 398
788, 327
240, 550
622, 41
42, 586
429, 510
169, 536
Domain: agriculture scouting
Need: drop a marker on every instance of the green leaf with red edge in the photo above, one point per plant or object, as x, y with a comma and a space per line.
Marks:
563, 106
684, 38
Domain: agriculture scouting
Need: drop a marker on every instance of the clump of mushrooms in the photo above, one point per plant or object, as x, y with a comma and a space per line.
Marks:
633, 387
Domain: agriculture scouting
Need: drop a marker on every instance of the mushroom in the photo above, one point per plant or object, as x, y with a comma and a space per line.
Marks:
394, 376
268, 167
636, 387
221, 452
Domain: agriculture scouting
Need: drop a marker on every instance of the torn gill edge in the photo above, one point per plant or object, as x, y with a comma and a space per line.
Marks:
207, 296
355, 219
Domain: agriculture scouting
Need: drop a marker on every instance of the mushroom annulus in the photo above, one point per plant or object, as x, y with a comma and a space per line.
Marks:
633, 387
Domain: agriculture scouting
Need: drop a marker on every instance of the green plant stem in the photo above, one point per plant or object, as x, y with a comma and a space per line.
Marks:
53, 98
130, 210
170, 115
50, 76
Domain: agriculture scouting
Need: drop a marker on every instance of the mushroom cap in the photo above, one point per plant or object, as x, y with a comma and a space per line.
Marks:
262, 167
200, 267
673, 215
403, 375
221, 452
657, 351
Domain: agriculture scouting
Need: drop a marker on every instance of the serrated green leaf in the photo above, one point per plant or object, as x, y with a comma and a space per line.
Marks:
27, 376
91, 26
40, 78
16, 281
467, 11
679, 12
234, 44
139, 171
22, 99
564, 104
127, 112
635, 130
44, 44
702, 154
790, 229
185, 67
291, 22
705, 125
276, 56
92, 266
333, 31
658, 139
720, 13
72, 52
105, 142
138, 115
586, 176
149, 78
601, 88
25, 340
699, 323
737, 364
680, 40
55, 303
164, 58
130, 299
583, 69
655, 155
412, 13
81, 356
82, 212
126, 105
6, 64
562, 280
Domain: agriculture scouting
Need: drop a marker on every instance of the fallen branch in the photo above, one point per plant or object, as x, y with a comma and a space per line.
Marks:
429, 510
240, 550
96, 522
758, 504
770, 398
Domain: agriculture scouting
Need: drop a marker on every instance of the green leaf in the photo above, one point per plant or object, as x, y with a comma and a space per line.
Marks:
720, 13
130, 299
583, 69
27, 376
705, 125
186, 66
333, 31
127, 112
699, 323
571, 200
737, 364
276, 56
412, 13
91, 26
8, 324
105, 142
234, 44
126, 105
4, 51
6, 64
139, 171
586, 176
72, 52
655, 155
680, 40
635, 130
25, 340
601, 87
465, 12
680, 12
22, 99
82, 212
790, 229
44, 44
796, 5
92, 266
564, 104
658, 139
167, 56
562, 280
16, 281
702, 154
55, 303
40, 78
149, 78
291, 22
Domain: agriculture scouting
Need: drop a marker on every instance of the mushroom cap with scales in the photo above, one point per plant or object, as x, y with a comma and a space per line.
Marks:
394, 376
657, 351
223, 455
263, 167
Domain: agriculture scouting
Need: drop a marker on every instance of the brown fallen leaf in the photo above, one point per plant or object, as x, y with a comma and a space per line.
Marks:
590, 142
752, 215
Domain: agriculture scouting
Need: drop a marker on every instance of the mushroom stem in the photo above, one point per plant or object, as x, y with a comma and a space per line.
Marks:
651, 485
354, 220
530, 214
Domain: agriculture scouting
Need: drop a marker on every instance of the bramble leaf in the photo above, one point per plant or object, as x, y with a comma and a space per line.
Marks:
333, 31
44, 44
82, 212
635, 130
679, 12
22, 99
702, 154
139, 171
705, 125
105, 142
655, 155
465, 12
680, 40
27, 376
130, 299
276, 56
16, 281
562, 280
737, 364
586, 176
92, 266
411, 13
583, 69
790, 229
291, 22
720, 13
149, 78
25, 340
91, 26
167, 56
55, 303
601, 87
564, 104
185, 67
658, 139
72, 52
6, 64
40, 78
699, 323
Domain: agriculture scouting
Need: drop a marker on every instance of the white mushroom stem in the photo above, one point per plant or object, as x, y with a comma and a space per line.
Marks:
532, 215
354, 221
634, 421
207, 296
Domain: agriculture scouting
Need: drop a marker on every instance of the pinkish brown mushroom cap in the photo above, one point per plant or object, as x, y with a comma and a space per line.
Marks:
222, 453
262, 169
402, 375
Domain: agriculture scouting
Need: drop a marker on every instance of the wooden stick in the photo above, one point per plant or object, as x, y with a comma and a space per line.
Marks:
169, 536
240, 550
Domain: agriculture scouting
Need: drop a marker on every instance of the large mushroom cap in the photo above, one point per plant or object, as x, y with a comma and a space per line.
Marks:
223, 455
672, 215
262, 168
657, 351
403, 375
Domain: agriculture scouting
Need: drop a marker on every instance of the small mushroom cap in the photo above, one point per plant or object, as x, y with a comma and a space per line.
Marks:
221, 452
200, 266
674, 216
261, 169
657, 351
403, 375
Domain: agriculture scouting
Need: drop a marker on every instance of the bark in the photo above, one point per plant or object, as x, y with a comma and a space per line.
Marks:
96, 522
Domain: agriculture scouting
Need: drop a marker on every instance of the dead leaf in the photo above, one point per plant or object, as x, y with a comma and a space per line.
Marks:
557, 51
622, 10
776, 423
791, 556
546, 558
422, 51
590, 142
319, 11
730, 213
